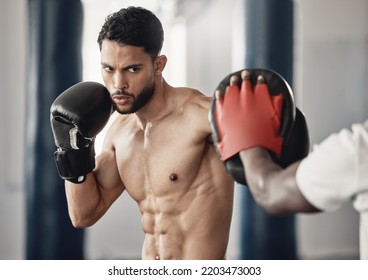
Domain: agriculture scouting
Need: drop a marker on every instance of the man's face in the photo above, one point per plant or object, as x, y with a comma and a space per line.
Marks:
128, 74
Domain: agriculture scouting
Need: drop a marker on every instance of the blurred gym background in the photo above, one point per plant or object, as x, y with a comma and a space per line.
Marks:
320, 46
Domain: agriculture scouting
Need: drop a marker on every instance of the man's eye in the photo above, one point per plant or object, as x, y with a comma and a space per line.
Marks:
133, 69
108, 69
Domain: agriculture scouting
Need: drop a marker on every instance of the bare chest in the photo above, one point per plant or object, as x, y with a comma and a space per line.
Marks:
159, 160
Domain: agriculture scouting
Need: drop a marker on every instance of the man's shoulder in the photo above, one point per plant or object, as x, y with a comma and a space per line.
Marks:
194, 109
193, 98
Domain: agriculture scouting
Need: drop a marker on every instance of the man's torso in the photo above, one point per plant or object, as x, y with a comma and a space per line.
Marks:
183, 192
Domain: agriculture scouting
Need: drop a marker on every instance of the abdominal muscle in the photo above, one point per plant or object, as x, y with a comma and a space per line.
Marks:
190, 225
164, 237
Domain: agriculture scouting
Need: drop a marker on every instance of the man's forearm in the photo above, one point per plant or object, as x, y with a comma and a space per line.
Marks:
273, 188
83, 201
259, 170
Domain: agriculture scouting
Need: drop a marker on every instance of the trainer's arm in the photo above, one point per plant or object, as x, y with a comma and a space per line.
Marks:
273, 188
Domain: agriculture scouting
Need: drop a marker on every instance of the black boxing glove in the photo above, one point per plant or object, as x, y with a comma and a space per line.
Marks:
293, 128
77, 116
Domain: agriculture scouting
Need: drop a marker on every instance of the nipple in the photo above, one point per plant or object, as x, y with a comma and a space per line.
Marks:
173, 177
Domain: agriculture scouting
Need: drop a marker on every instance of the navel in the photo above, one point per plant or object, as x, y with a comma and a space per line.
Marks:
157, 258
173, 177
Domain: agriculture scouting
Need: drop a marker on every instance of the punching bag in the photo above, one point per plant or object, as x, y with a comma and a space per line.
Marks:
268, 44
54, 64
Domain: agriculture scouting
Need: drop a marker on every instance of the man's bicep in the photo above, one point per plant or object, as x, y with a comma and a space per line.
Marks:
106, 170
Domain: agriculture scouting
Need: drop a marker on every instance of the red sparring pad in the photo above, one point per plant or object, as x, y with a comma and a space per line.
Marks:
292, 130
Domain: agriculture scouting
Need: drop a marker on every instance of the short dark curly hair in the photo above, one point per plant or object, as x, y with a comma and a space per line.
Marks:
134, 26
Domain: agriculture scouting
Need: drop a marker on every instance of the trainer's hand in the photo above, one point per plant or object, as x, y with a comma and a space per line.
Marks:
248, 117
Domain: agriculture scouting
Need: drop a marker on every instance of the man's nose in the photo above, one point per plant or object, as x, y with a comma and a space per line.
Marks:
120, 82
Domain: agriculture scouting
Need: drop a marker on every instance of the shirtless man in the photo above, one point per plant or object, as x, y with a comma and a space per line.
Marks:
158, 149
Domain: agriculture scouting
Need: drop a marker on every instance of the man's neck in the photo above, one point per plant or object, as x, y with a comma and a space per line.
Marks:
157, 107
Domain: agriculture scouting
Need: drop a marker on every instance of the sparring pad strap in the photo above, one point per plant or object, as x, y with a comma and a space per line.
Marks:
74, 165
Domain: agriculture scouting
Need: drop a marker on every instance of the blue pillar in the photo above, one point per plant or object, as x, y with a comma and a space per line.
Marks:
54, 64
269, 44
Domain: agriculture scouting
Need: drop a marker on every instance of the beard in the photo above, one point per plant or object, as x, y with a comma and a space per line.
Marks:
138, 102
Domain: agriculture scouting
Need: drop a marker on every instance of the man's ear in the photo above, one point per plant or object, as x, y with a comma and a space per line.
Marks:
160, 63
